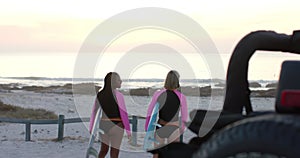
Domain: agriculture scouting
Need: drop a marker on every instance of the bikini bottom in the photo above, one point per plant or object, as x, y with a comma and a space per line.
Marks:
107, 125
166, 131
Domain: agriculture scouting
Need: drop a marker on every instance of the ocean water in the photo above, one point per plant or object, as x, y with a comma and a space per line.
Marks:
126, 83
60, 66
58, 69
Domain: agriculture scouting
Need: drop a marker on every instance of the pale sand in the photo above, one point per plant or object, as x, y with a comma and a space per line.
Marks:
12, 136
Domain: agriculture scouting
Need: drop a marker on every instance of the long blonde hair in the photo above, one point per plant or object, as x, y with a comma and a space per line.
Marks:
172, 80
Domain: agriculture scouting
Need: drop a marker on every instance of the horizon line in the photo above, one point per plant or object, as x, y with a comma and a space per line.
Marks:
124, 79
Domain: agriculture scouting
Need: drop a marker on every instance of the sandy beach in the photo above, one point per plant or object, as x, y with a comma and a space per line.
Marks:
55, 56
43, 137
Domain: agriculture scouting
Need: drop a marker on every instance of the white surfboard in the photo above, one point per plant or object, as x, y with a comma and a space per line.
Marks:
95, 131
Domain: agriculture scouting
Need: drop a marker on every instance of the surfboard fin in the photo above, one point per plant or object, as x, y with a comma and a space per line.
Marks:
100, 131
158, 125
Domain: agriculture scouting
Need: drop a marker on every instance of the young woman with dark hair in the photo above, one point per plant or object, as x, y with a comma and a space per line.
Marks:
114, 115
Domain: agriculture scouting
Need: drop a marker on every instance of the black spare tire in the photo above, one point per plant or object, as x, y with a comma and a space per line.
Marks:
271, 135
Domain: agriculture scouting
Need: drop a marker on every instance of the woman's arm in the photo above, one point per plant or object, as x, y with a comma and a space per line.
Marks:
93, 115
123, 112
184, 111
151, 106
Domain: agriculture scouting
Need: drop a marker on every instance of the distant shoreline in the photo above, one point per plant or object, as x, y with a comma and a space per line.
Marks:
257, 89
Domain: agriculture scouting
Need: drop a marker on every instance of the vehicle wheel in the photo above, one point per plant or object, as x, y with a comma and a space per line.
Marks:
265, 136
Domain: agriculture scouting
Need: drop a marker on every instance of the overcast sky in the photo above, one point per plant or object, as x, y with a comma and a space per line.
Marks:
61, 26
38, 36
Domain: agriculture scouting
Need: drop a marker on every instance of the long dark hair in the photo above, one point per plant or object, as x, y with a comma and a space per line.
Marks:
106, 96
109, 85
109, 82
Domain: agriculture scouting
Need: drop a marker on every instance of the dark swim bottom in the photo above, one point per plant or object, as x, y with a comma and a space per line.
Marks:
166, 131
106, 125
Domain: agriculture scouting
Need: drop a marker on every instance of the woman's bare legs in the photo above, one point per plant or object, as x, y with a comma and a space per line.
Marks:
116, 136
104, 146
113, 140
161, 142
174, 137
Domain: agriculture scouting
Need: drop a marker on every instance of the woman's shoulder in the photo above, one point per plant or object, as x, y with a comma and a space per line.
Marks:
179, 93
159, 91
118, 92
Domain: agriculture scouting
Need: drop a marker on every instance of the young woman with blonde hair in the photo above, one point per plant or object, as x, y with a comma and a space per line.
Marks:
172, 103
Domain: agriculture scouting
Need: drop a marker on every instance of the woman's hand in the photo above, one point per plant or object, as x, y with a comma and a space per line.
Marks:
129, 137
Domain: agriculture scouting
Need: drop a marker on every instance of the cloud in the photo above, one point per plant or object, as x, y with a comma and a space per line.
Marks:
60, 35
